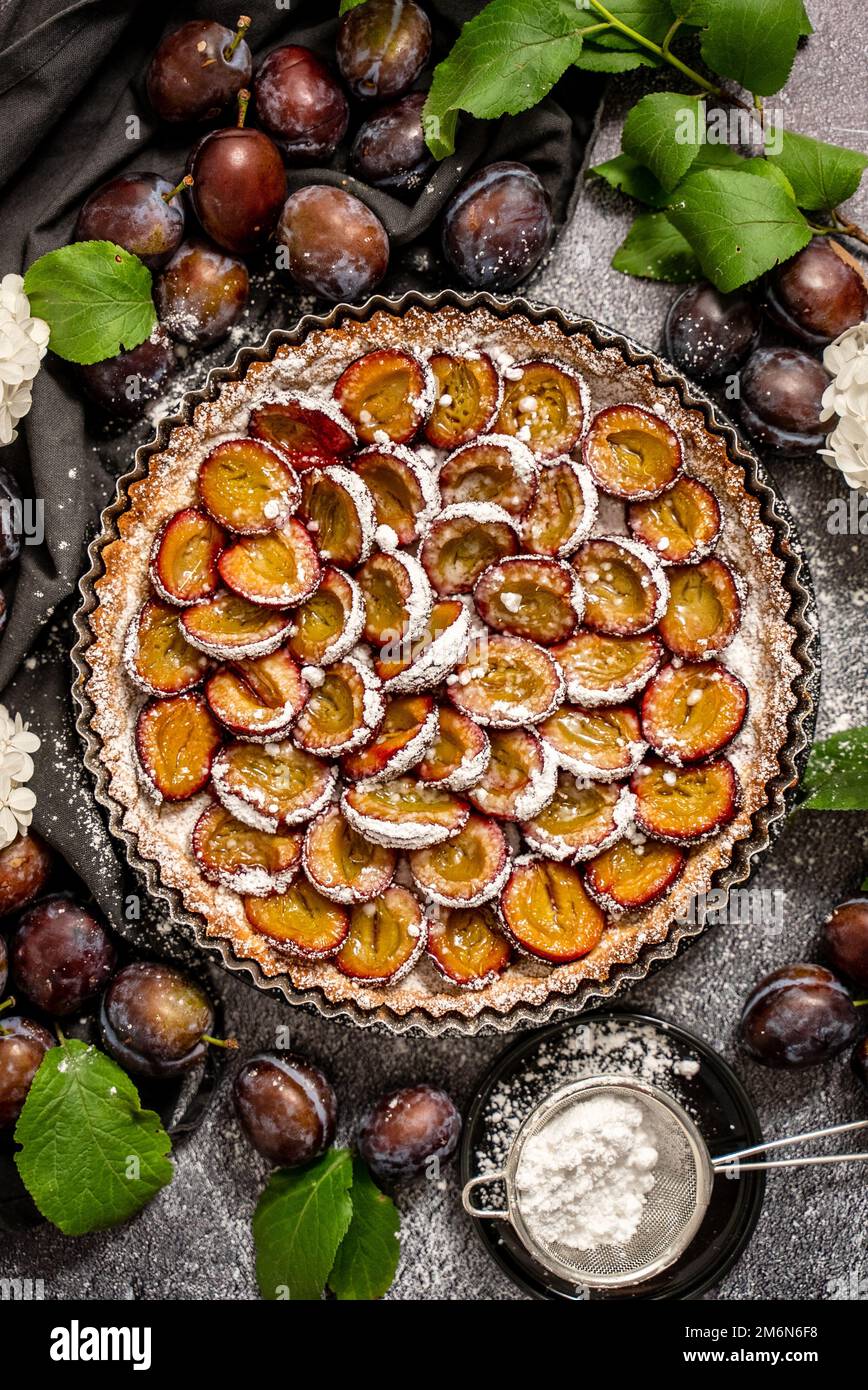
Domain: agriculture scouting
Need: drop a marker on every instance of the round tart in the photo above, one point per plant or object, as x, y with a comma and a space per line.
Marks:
378, 612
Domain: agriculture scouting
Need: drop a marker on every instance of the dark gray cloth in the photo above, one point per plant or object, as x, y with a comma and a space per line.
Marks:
73, 112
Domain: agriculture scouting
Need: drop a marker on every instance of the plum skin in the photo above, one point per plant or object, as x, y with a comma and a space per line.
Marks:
798, 1016
124, 386
23, 1044
382, 46
201, 293
335, 246
61, 956
845, 940
708, 334
132, 212
819, 293
405, 1129
286, 1106
497, 226
389, 150
154, 1020
300, 104
190, 78
781, 397
25, 866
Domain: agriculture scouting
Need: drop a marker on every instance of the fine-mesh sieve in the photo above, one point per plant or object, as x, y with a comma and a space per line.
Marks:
674, 1206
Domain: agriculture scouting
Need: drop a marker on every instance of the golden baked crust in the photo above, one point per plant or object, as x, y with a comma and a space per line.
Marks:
761, 653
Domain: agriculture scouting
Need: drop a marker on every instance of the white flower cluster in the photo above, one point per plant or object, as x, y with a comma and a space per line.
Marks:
16, 768
847, 397
23, 342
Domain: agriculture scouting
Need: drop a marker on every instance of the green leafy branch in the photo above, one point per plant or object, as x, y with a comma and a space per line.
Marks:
325, 1225
709, 209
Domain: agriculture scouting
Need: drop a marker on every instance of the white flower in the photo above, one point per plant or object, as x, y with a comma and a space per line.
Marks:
17, 801
23, 343
847, 397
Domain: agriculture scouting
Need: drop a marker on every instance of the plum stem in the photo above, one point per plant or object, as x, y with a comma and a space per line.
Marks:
219, 1042
243, 103
186, 182
244, 22
660, 50
8, 1003
859, 1003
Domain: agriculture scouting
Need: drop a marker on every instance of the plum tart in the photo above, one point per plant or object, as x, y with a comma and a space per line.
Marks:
438, 661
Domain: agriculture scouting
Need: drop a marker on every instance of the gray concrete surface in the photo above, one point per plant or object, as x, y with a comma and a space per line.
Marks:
194, 1241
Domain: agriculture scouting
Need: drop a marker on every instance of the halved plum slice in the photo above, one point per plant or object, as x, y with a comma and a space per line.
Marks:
157, 657
467, 396
520, 778
342, 864
387, 392
184, 558
544, 407
507, 682
603, 670
408, 729
681, 525
404, 813
398, 599
690, 712
563, 510
704, 609
175, 744
530, 596
494, 468
459, 755
342, 712
247, 486
272, 786
300, 921
247, 861
600, 744
683, 805
468, 947
580, 820
465, 871
548, 913
632, 875
632, 453
625, 587
386, 939
423, 664
328, 624
464, 540
338, 511
231, 626
405, 492
303, 425
258, 698
276, 570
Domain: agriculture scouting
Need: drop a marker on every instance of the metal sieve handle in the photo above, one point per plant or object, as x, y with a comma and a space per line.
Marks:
482, 1181
734, 1160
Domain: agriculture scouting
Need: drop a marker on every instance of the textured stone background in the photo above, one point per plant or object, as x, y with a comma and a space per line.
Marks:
194, 1240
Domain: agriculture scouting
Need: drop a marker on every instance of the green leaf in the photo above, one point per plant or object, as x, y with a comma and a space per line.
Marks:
738, 225
628, 176
836, 778
753, 41
349, 5
593, 59
822, 176
505, 60
95, 297
863, 886
91, 1157
664, 131
368, 1254
655, 250
300, 1221
650, 18
714, 155
763, 169
805, 25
